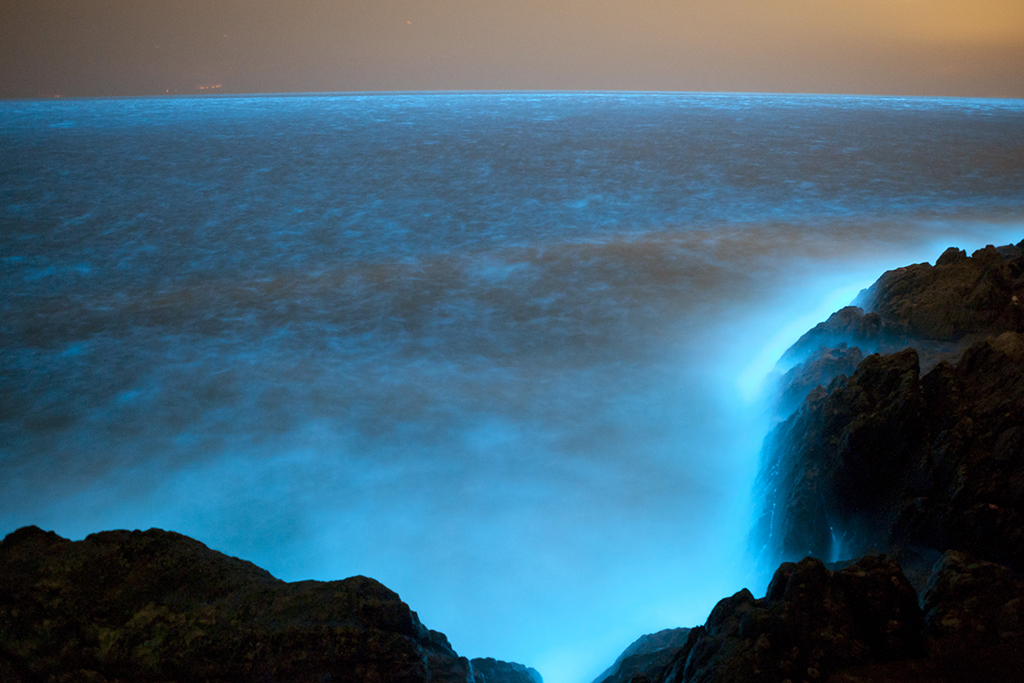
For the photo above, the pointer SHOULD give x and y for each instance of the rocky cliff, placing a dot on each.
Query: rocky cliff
(647, 653)
(857, 623)
(489, 670)
(878, 454)
(900, 441)
(138, 606)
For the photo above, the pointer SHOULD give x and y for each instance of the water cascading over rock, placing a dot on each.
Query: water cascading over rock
(918, 444)
(901, 442)
(138, 606)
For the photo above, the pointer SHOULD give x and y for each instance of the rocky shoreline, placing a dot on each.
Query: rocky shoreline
(919, 444)
(900, 442)
(862, 622)
(134, 606)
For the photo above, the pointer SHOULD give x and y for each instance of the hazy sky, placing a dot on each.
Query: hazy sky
(141, 47)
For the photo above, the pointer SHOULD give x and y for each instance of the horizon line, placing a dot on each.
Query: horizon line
(494, 91)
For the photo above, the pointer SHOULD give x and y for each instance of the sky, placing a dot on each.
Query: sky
(961, 48)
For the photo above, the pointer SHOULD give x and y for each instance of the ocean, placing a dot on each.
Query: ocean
(503, 352)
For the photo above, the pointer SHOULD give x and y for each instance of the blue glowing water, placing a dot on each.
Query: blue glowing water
(495, 350)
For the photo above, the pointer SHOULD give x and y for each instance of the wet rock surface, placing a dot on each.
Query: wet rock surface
(813, 624)
(969, 603)
(939, 310)
(648, 653)
(862, 621)
(489, 670)
(884, 457)
(159, 606)
(956, 298)
(901, 432)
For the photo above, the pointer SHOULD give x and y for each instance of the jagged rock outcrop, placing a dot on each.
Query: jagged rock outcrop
(939, 310)
(849, 326)
(132, 606)
(648, 653)
(958, 297)
(927, 466)
(858, 622)
(835, 461)
(884, 458)
(812, 623)
(489, 670)
(819, 369)
(970, 604)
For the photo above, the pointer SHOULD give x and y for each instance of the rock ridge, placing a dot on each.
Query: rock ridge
(879, 454)
(155, 605)
(859, 622)
(900, 441)
(648, 652)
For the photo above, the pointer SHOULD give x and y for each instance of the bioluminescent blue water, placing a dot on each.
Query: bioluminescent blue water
(499, 351)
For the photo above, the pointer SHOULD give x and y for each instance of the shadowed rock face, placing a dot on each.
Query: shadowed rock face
(886, 458)
(839, 460)
(820, 368)
(971, 603)
(955, 298)
(867, 440)
(812, 623)
(882, 457)
(158, 606)
(939, 310)
(877, 455)
(858, 622)
(489, 670)
(651, 652)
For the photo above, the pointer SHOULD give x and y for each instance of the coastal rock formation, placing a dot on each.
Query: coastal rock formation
(648, 653)
(837, 461)
(901, 432)
(819, 369)
(939, 310)
(812, 623)
(489, 670)
(957, 298)
(158, 606)
(856, 623)
(884, 458)
(971, 604)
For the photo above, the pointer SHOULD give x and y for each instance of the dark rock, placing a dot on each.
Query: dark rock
(812, 623)
(883, 458)
(819, 369)
(970, 603)
(849, 326)
(928, 469)
(158, 606)
(973, 628)
(940, 310)
(859, 623)
(956, 297)
(951, 256)
(489, 670)
(646, 657)
(886, 459)
(846, 451)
